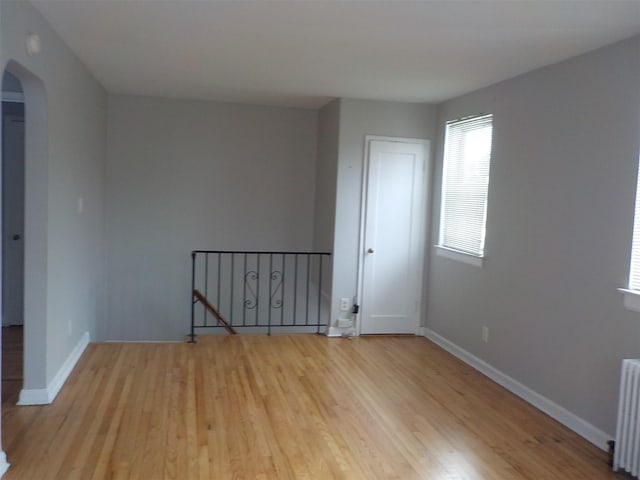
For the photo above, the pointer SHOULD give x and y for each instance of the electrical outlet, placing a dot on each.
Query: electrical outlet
(345, 304)
(485, 334)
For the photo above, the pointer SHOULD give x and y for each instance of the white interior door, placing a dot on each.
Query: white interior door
(12, 220)
(394, 230)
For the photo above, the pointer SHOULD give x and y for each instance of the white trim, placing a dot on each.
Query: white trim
(580, 426)
(340, 332)
(44, 396)
(382, 138)
(34, 396)
(459, 256)
(4, 465)
(631, 299)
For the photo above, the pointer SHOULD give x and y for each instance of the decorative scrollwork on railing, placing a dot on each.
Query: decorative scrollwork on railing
(276, 285)
(251, 281)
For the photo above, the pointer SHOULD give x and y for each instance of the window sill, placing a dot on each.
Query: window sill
(459, 256)
(631, 299)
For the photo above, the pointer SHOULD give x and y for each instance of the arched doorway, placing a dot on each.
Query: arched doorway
(13, 148)
(33, 238)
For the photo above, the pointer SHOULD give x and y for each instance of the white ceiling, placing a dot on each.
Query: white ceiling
(302, 53)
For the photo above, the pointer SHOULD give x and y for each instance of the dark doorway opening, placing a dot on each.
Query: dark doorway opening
(13, 194)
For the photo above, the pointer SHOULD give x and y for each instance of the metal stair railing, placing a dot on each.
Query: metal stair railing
(258, 291)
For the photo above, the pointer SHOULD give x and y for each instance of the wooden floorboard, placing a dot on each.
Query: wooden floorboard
(12, 352)
(285, 407)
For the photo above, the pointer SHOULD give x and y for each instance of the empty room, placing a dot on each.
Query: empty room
(320, 239)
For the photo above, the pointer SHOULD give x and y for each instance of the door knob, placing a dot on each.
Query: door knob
(370, 250)
(16, 236)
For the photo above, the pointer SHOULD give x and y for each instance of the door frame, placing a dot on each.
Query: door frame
(36, 220)
(424, 227)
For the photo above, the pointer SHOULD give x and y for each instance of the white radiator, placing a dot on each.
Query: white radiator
(627, 447)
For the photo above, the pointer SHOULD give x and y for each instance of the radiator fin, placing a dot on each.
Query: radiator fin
(627, 447)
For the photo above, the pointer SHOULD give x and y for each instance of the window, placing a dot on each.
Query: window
(465, 183)
(634, 274)
(632, 294)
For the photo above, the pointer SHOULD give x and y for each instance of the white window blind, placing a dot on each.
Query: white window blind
(465, 183)
(634, 274)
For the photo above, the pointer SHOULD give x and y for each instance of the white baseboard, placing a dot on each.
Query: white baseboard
(580, 426)
(34, 396)
(340, 332)
(4, 465)
(334, 332)
(44, 396)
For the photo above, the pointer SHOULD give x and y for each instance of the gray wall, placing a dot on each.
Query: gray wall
(71, 110)
(326, 176)
(560, 212)
(195, 175)
(357, 119)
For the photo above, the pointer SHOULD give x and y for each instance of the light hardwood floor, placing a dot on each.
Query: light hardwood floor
(12, 352)
(288, 406)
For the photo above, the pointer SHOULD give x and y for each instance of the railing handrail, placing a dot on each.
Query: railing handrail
(266, 252)
(202, 299)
